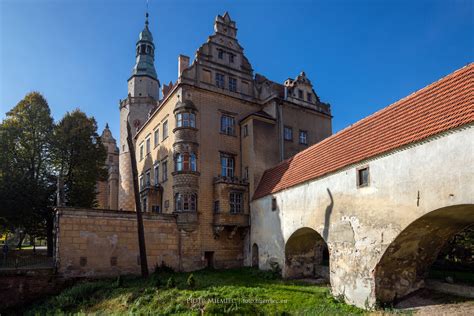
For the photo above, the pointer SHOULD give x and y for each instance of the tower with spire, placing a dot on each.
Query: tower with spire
(143, 97)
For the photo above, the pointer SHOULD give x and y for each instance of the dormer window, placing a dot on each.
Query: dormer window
(231, 58)
(300, 93)
(309, 97)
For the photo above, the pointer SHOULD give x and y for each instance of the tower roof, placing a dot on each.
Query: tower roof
(145, 52)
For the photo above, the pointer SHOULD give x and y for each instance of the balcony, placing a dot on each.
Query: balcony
(231, 219)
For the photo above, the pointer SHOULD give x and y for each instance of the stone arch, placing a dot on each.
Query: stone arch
(306, 255)
(255, 256)
(406, 262)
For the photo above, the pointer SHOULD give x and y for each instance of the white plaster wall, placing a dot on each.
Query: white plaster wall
(360, 223)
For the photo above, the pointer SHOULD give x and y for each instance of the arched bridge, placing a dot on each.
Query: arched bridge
(382, 196)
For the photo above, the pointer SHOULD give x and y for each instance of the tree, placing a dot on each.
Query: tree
(26, 183)
(79, 158)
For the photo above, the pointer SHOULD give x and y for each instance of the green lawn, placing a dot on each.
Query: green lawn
(238, 291)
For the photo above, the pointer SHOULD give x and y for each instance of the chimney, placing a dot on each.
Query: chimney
(183, 63)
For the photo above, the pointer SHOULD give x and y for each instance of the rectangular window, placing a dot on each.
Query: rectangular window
(246, 173)
(220, 80)
(300, 93)
(303, 137)
(236, 202)
(141, 151)
(165, 129)
(164, 170)
(231, 57)
(148, 178)
(288, 133)
(227, 124)
(220, 54)
(142, 182)
(309, 97)
(363, 177)
(246, 130)
(145, 204)
(227, 165)
(156, 136)
(232, 84)
(274, 204)
(216, 207)
(156, 173)
(148, 145)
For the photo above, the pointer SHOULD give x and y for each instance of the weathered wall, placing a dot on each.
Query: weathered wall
(103, 243)
(359, 224)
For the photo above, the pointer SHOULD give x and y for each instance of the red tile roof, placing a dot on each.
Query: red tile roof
(441, 106)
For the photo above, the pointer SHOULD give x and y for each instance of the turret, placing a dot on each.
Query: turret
(143, 97)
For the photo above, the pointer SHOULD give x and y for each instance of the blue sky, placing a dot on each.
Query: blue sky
(360, 55)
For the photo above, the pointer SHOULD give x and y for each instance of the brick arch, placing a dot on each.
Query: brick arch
(406, 262)
(305, 250)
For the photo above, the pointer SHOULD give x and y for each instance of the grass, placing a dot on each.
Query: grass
(239, 291)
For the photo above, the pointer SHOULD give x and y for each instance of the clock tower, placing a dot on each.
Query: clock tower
(143, 97)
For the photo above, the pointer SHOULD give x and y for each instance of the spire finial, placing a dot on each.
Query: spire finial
(146, 15)
(107, 125)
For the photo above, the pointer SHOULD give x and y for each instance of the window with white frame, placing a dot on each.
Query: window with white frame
(185, 202)
(186, 119)
(142, 182)
(185, 162)
(164, 170)
(148, 144)
(156, 136)
(288, 133)
(220, 80)
(232, 84)
(227, 165)
(148, 178)
(165, 130)
(236, 202)
(227, 125)
(156, 172)
(141, 151)
(303, 137)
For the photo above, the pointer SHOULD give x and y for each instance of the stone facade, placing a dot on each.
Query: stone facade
(107, 196)
(201, 149)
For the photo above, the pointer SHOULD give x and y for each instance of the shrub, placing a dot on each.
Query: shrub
(171, 283)
(191, 281)
(276, 270)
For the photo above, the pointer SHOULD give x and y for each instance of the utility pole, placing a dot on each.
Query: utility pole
(140, 229)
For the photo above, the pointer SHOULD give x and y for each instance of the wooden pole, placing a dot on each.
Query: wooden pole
(140, 229)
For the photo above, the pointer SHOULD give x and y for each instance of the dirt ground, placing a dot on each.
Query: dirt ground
(430, 303)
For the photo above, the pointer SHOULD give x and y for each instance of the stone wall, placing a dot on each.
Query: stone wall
(95, 243)
(18, 287)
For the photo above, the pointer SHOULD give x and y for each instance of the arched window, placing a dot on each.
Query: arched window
(185, 162)
(186, 119)
(185, 202)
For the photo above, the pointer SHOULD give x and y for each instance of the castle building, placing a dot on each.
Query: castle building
(107, 197)
(202, 147)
